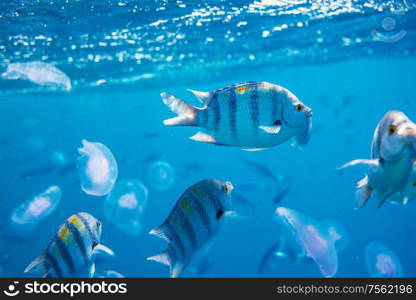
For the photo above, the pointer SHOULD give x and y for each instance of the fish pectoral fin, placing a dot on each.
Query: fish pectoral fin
(369, 162)
(205, 138)
(273, 129)
(363, 192)
(254, 149)
(202, 97)
(36, 266)
(101, 249)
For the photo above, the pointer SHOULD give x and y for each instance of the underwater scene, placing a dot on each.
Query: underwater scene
(261, 138)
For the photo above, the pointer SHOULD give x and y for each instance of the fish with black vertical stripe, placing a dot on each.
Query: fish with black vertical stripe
(193, 222)
(253, 115)
(72, 250)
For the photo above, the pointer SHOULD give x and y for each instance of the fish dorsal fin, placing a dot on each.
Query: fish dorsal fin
(162, 258)
(161, 233)
(37, 265)
(202, 97)
(274, 129)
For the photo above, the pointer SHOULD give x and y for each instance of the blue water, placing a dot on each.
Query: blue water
(121, 54)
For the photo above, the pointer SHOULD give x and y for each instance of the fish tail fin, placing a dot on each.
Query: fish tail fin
(202, 97)
(187, 114)
(363, 192)
(162, 258)
(37, 265)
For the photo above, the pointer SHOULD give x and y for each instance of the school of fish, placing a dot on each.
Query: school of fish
(252, 116)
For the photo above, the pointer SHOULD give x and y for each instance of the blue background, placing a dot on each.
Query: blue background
(349, 89)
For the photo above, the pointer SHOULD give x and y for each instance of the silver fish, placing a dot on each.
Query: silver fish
(280, 184)
(268, 256)
(392, 154)
(409, 192)
(392, 136)
(283, 248)
(242, 201)
(256, 115)
(193, 222)
(72, 250)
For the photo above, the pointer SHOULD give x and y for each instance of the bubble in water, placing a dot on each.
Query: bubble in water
(29, 213)
(97, 168)
(311, 237)
(382, 262)
(338, 234)
(161, 175)
(125, 205)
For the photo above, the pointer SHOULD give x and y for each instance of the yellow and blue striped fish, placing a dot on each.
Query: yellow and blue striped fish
(72, 250)
(255, 115)
(192, 223)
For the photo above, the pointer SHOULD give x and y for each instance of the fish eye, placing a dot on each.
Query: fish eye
(392, 129)
(414, 184)
(225, 189)
(299, 107)
(98, 224)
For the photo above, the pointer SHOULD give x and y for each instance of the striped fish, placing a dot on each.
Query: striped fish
(394, 132)
(392, 156)
(72, 250)
(255, 115)
(192, 223)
